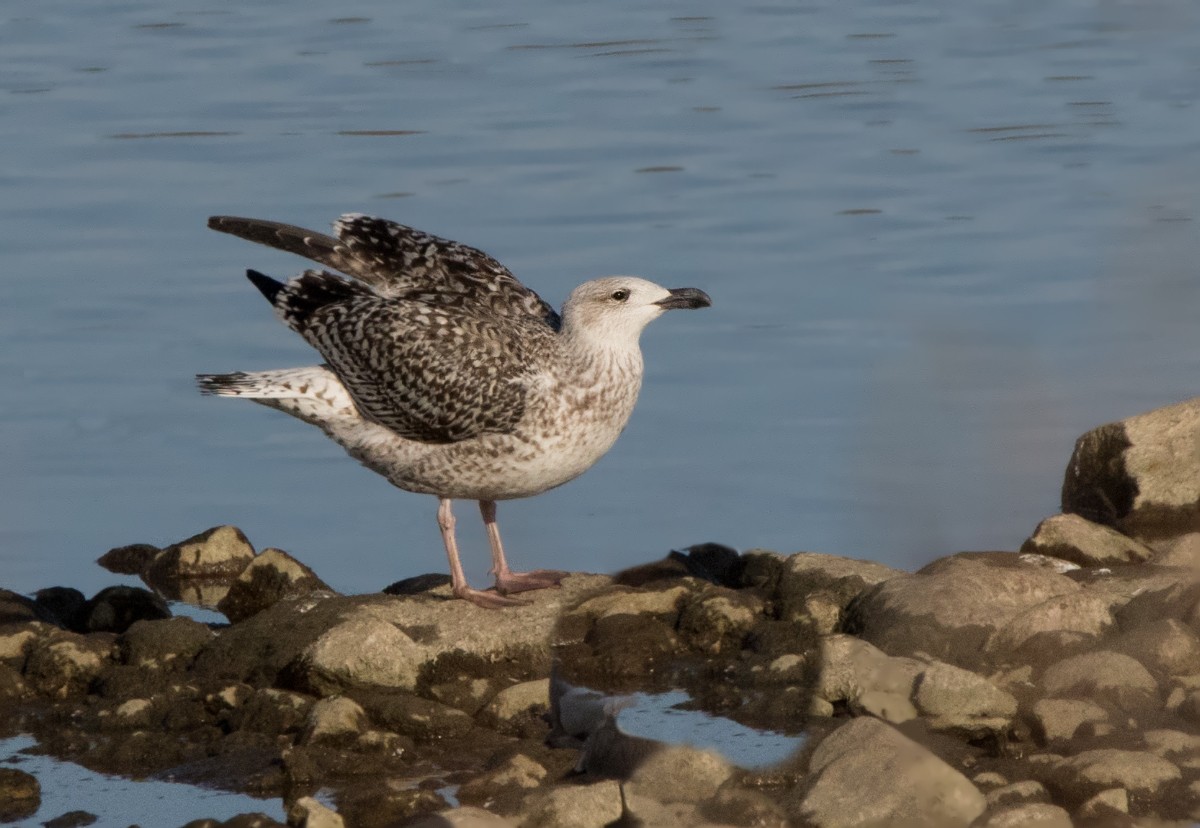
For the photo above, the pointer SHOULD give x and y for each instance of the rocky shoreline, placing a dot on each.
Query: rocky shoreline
(1057, 685)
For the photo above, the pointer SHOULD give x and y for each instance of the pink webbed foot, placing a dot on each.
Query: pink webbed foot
(487, 598)
(508, 582)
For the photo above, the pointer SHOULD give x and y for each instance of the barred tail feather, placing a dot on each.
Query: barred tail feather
(313, 394)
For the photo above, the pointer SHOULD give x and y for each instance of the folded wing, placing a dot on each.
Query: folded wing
(427, 371)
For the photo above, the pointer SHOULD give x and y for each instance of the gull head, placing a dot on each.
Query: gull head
(617, 308)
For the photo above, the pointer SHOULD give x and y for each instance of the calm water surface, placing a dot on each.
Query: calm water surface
(942, 241)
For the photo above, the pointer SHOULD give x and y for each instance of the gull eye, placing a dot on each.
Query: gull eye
(620, 295)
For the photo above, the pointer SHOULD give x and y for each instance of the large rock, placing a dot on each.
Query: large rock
(1036, 635)
(1102, 674)
(958, 701)
(867, 679)
(1140, 475)
(270, 577)
(438, 638)
(813, 585)
(1079, 540)
(866, 773)
(222, 551)
(1164, 645)
(951, 608)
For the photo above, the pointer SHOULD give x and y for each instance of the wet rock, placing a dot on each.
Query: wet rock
(63, 606)
(1077, 539)
(307, 812)
(117, 608)
(254, 820)
(1034, 815)
(1164, 645)
(803, 582)
(1084, 775)
(71, 819)
(413, 716)
(919, 788)
(951, 608)
(1102, 673)
(272, 711)
(65, 664)
(20, 795)
(12, 686)
(334, 721)
(218, 553)
(1058, 720)
(955, 700)
(719, 621)
(680, 774)
(128, 560)
(452, 638)
(16, 640)
(629, 645)
(741, 807)
(580, 806)
(270, 577)
(515, 709)
(170, 644)
(1140, 475)
(514, 776)
(361, 652)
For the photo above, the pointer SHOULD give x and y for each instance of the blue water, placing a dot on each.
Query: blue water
(942, 241)
(117, 802)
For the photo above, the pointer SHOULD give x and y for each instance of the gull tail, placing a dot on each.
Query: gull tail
(313, 394)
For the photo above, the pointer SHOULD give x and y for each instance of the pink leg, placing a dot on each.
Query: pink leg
(508, 581)
(458, 579)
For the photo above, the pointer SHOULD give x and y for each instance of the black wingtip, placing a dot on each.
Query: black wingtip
(220, 384)
(266, 285)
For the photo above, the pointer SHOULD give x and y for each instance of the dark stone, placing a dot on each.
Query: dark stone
(128, 560)
(713, 562)
(171, 643)
(20, 795)
(1097, 485)
(64, 605)
(17, 609)
(632, 645)
(116, 608)
(71, 819)
(272, 576)
(417, 584)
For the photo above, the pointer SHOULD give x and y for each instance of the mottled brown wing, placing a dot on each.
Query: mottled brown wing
(427, 372)
(397, 261)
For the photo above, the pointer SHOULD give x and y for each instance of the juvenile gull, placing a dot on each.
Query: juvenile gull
(445, 374)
